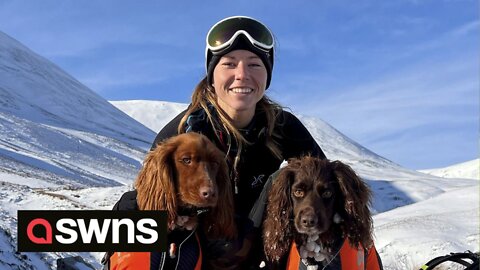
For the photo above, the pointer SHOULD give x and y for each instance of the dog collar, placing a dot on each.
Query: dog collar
(192, 211)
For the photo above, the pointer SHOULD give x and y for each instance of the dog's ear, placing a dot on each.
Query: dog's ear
(278, 227)
(224, 223)
(357, 217)
(155, 182)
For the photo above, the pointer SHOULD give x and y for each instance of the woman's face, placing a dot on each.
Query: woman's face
(239, 79)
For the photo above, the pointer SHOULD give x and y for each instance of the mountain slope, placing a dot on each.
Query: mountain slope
(35, 89)
(55, 128)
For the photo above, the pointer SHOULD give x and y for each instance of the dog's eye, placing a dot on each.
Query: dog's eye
(187, 160)
(298, 193)
(327, 194)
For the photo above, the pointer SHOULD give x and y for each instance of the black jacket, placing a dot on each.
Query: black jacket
(257, 163)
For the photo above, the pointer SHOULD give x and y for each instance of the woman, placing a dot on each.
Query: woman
(230, 107)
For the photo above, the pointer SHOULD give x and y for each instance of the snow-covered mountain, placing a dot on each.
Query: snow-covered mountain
(56, 134)
(56, 129)
(469, 170)
(152, 114)
(64, 147)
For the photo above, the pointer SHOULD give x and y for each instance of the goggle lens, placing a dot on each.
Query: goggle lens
(222, 34)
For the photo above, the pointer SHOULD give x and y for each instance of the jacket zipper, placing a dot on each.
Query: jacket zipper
(180, 247)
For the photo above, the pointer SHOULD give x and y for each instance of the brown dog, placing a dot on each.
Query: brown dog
(185, 173)
(316, 205)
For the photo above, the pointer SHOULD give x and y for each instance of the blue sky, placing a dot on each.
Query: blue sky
(400, 77)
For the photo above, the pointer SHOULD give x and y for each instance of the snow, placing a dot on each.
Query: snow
(63, 147)
(445, 223)
(152, 114)
(469, 169)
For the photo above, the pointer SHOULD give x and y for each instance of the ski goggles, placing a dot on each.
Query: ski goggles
(224, 33)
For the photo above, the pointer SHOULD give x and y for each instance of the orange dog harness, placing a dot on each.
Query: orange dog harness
(347, 258)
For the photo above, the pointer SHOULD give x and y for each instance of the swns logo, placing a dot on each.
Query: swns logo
(95, 231)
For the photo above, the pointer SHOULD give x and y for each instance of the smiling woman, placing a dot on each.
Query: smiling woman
(229, 106)
(239, 80)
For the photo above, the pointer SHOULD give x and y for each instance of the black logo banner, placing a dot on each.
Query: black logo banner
(91, 231)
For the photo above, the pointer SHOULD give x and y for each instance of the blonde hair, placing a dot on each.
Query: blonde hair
(204, 94)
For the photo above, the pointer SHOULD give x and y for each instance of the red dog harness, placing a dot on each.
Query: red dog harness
(347, 258)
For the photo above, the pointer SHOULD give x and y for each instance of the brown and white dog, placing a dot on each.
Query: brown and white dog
(313, 205)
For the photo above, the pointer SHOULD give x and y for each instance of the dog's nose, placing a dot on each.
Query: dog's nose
(207, 192)
(308, 220)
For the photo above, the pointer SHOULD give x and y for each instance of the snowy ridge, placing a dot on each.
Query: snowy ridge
(63, 147)
(469, 169)
(152, 114)
(35, 89)
(56, 129)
